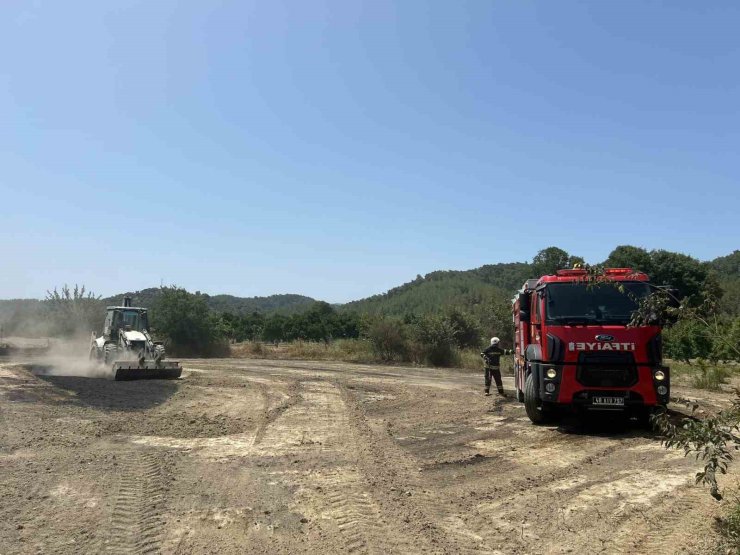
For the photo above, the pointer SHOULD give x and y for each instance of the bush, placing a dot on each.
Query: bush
(710, 377)
(729, 527)
(725, 347)
(470, 359)
(687, 339)
(434, 339)
(387, 338)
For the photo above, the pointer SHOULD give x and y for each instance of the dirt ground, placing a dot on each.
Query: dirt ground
(250, 456)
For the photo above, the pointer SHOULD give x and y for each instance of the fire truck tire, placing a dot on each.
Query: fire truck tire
(518, 386)
(532, 405)
(644, 419)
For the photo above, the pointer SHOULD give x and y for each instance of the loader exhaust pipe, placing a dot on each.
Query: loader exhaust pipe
(127, 301)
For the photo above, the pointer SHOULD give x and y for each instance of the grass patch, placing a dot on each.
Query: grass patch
(710, 377)
(702, 374)
(729, 527)
(346, 350)
(358, 351)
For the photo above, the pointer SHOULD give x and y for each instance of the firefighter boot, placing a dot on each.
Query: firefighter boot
(488, 392)
(501, 391)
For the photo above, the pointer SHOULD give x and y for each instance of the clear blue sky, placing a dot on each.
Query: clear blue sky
(336, 149)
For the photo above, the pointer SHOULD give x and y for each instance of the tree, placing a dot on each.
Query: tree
(274, 328)
(73, 312)
(466, 331)
(692, 278)
(250, 326)
(550, 260)
(626, 256)
(574, 261)
(185, 322)
(729, 304)
(715, 439)
(496, 320)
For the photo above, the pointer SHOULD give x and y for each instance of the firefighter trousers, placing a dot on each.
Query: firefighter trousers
(495, 372)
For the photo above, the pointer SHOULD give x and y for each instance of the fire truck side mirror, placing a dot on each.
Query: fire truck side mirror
(524, 316)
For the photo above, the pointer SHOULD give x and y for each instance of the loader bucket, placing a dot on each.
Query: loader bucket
(133, 370)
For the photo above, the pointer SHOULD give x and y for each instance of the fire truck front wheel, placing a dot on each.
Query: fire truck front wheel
(532, 405)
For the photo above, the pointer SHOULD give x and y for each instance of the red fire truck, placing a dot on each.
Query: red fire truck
(574, 349)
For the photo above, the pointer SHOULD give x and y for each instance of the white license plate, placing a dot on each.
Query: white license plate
(608, 401)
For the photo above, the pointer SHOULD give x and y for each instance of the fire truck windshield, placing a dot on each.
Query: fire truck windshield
(580, 303)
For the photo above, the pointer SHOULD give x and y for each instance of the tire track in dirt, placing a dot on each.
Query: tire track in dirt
(383, 463)
(137, 522)
(271, 414)
(476, 526)
(238, 444)
(578, 507)
(677, 525)
(356, 514)
(318, 427)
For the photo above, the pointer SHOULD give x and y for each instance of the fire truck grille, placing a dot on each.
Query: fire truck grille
(606, 370)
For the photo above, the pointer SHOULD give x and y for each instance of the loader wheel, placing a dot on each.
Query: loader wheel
(109, 353)
(532, 405)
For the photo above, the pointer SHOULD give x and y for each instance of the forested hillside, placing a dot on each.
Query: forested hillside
(280, 304)
(460, 307)
(444, 289)
(728, 271)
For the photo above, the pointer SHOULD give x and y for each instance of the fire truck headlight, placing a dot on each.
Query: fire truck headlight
(662, 390)
(659, 375)
(550, 387)
(551, 373)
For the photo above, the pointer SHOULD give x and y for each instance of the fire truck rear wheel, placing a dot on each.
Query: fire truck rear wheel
(532, 405)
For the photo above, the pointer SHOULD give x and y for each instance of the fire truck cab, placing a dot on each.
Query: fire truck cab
(574, 349)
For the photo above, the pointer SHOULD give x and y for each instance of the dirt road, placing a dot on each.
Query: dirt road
(284, 457)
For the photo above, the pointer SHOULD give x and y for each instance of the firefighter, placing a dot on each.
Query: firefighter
(492, 356)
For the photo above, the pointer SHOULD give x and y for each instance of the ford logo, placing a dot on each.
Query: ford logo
(604, 337)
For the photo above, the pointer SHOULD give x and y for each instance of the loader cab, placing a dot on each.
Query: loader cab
(117, 317)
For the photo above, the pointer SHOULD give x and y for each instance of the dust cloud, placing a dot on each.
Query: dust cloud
(60, 357)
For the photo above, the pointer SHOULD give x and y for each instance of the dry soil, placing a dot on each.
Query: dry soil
(247, 456)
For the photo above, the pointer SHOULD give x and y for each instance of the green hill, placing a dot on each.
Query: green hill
(280, 304)
(728, 271)
(438, 290)
(480, 291)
